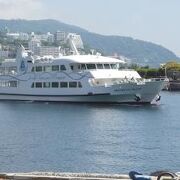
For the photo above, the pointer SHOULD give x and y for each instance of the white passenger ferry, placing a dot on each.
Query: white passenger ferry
(76, 78)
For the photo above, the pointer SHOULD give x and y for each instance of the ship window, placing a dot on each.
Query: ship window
(106, 66)
(6, 84)
(12, 83)
(55, 68)
(47, 68)
(62, 68)
(3, 84)
(72, 67)
(6, 70)
(38, 68)
(46, 84)
(32, 86)
(113, 66)
(99, 66)
(38, 84)
(2, 69)
(73, 84)
(91, 66)
(55, 84)
(83, 66)
(79, 85)
(121, 66)
(63, 84)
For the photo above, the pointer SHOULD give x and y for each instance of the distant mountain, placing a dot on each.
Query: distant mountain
(142, 52)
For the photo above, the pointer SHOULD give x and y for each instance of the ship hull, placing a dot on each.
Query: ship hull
(138, 94)
(99, 98)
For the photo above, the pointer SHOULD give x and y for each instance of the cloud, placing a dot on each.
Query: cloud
(23, 9)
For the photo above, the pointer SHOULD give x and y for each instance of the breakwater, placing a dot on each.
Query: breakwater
(63, 176)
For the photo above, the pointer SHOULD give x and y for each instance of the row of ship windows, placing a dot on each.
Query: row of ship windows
(71, 84)
(48, 68)
(73, 67)
(61, 68)
(8, 83)
(97, 66)
(8, 70)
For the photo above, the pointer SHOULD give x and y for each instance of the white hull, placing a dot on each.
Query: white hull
(89, 99)
(113, 94)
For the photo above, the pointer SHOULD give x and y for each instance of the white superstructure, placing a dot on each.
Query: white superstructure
(76, 78)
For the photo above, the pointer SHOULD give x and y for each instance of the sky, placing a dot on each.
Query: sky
(156, 21)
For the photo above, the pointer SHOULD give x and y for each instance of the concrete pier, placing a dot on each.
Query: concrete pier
(61, 176)
(74, 176)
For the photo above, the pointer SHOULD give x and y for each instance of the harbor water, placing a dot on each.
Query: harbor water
(69, 137)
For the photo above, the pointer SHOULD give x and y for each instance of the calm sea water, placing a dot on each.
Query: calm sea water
(90, 138)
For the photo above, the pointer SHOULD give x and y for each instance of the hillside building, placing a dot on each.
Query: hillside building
(77, 40)
(60, 37)
(23, 36)
(33, 45)
(48, 51)
(50, 37)
(12, 36)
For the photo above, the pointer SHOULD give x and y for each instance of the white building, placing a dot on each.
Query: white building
(12, 36)
(48, 51)
(15, 36)
(23, 36)
(36, 37)
(76, 40)
(32, 35)
(33, 45)
(50, 38)
(43, 37)
(60, 37)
